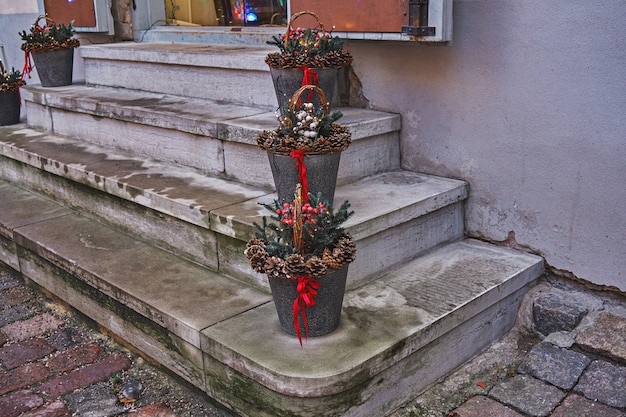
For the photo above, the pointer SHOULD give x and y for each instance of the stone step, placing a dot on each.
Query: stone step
(217, 35)
(398, 334)
(216, 137)
(232, 73)
(208, 219)
(151, 298)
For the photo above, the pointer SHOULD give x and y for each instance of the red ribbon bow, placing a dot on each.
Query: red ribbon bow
(310, 78)
(28, 68)
(298, 155)
(307, 290)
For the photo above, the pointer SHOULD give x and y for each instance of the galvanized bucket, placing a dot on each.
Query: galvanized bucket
(324, 316)
(54, 67)
(9, 108)
(288, 80)
(321, 174)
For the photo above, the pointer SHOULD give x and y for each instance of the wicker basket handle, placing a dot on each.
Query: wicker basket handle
(47, 19)
(297, 15)
(293, 101)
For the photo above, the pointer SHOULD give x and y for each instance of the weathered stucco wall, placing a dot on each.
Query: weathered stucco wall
(529, 106)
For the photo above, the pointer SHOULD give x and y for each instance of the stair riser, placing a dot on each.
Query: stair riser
(247, 87)
(220, 252)
(243, 162)
(195, 243)
(375, 254)
(202, 152)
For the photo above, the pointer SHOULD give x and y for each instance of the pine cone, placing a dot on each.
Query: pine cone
(331, 260)
(255, 241)
(274, 266)
(295, 266)
(252, 250)
(258, 261)
(315, 267)
(347, 248)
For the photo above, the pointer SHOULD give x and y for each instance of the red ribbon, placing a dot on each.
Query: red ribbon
(28, 68)
(310, 78)
(298, 155)
(307, 290)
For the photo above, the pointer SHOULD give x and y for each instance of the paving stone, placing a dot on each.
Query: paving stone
(90, 374)
(604, 382)
(7, 281)
(554, 312)
(481, 406)
(65, 338)
(19, 353)
(575, 405)
(594, 339)
(35, 326)
(19, 402)
(94, 401)
(53, 409)
(527, 394)
(75, 357)
(22, 377)
(558, 366)
(156, 410)
(14, 296)
(19, 312)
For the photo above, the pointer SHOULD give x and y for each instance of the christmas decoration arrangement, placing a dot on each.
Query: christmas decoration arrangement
(305, 127)
(49, 36)
(52, 47)
(10, 83)
(304, 243)
(307, 47)
(10, 80)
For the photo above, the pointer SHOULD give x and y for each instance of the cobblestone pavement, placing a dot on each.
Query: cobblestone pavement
(565, 357)
(54, 364)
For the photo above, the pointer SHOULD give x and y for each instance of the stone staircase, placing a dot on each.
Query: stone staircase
(132, 198)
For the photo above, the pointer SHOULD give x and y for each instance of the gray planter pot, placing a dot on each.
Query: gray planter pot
(288, 80)
(321, 174)
(324, 316)
(9, 108)
(54, 67)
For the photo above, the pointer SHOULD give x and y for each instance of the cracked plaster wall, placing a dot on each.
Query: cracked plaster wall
(527, 105)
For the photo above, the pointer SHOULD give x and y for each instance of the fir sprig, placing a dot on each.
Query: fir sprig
(10, 80)
(48, 36)
(322, 226)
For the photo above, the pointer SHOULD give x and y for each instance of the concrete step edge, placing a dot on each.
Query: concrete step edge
(217, 119)
(244, 57)
(383, 322)
(145, 278)
(221, 205)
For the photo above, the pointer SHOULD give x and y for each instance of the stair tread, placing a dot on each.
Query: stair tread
(382, 322)
(176, 294)
(247, 57)
(218, 119)
(225, 206)
(379, 202)
(179, 191)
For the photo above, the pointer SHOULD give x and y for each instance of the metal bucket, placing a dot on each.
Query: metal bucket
(324, 316)
(54, 67)
(321, 174)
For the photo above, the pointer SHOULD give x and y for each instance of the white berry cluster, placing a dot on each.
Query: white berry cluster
(306, 122)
